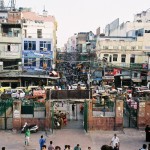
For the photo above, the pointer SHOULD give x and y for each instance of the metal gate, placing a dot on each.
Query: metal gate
(85, 115)
(130, 114)
(6, 114)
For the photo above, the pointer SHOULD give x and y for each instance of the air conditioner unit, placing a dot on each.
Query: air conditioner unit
(44, 49)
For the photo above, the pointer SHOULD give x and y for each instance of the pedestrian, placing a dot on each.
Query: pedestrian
(27, 137)
(3, 148)
(51, 147)
(66, 147)
(144, 147)
(89, 148)
(77, 147)
(147, 131)
(57, 148)
(69, 147)
(44, 147)
(42, 141)
(148, 146)
(106, 147)
(115, 140)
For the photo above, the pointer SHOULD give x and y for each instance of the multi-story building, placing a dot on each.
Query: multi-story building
(124, 52)
(128, 54)
(38, 37)
(71, 44)
(28, 42)
(10, 48)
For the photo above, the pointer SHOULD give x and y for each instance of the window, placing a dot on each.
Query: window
(45, 46)
(115, 47)
(25, 33)
(115, 56)
(29, 45)
(8, 47)
(39, 33)
(47, 61)
(105, 47)
(110, 58)
(123, 47)
(123, 58)
(135, 74)
(140, 47)
(105, 57)
(30, 62)
(132, 58)
(133, 47)
(147, 31)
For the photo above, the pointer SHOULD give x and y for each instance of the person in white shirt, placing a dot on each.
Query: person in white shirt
(115, 140)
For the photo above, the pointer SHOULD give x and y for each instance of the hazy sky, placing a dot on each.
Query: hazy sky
(75, 16)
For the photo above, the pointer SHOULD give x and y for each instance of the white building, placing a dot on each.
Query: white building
(71, 44)
(39, 36)
(126, 53)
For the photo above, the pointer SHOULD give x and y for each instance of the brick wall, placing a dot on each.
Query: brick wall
(101, 123)
(106, 123)
(143, 118)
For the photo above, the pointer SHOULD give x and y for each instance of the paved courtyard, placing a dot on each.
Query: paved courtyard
(131, 139)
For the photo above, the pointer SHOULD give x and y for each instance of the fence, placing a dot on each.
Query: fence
(30, 108)
(69, 94)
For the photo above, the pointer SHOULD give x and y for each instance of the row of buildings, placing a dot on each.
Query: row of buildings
(27, 46)
(121, 53)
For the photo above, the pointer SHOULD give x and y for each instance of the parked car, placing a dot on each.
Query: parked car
(83, 86)
(17, 93)
(74, 86)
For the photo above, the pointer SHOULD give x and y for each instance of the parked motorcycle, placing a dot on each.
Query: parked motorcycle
(33, 128)
(57, 124)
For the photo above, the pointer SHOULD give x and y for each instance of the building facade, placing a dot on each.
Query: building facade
(127, 54)
(28, 46)
(10, 47)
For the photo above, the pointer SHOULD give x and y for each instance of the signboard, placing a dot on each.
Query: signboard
(117, 72)
(38, 55)
(139, 66)
(16, 114)
(142, 104)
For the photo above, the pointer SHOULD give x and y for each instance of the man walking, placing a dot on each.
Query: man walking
(114, 141)
(77, 147)
(144, 147)
(51, 147)
(27, 137)
(42, 141)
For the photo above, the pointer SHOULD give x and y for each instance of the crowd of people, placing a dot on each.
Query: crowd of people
(43, 146)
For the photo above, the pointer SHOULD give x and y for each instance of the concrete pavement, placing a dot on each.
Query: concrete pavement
(131, 139)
